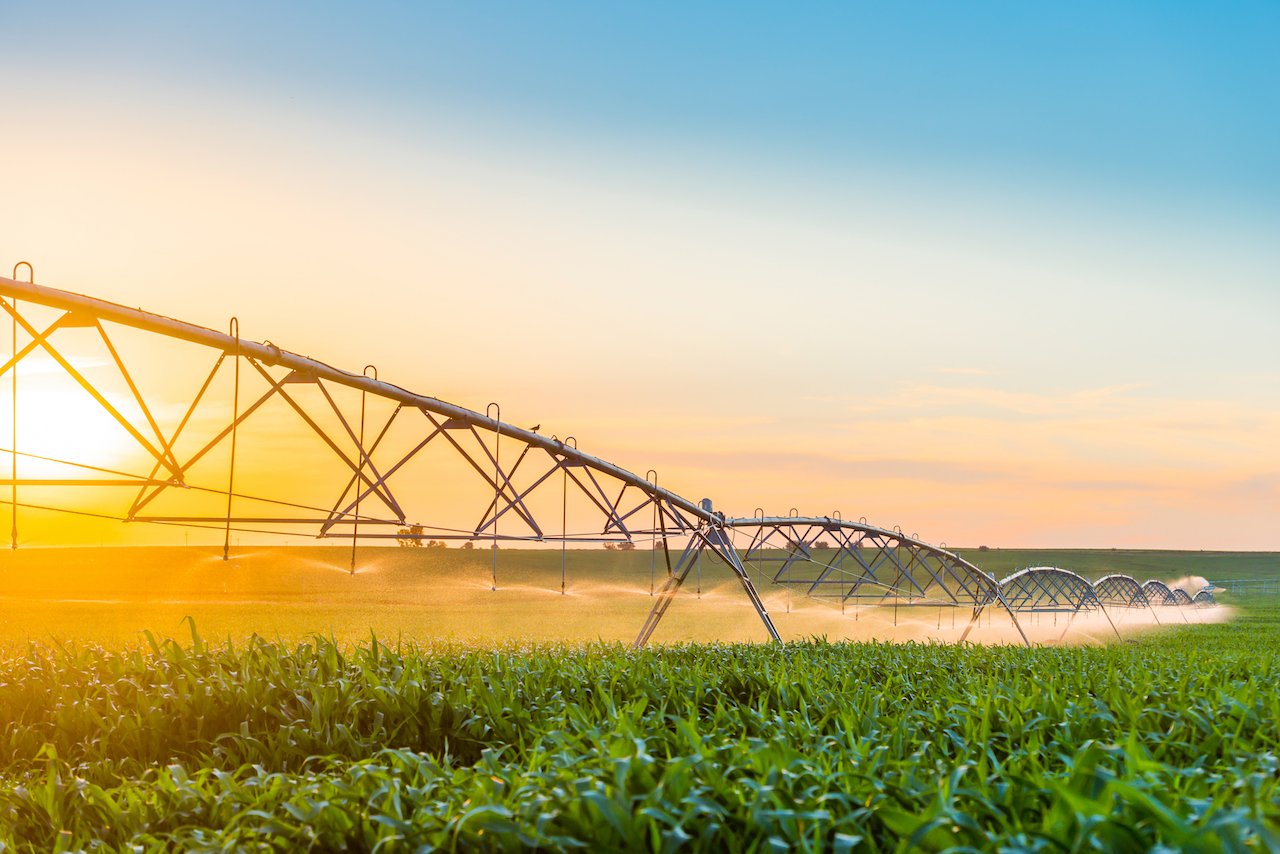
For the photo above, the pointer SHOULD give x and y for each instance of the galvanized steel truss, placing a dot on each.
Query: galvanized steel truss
(1119, 591)
(867, 566)
(1049, 589)
(861, 565)
(852, 562)
(1203, 599)
(1158, 593)
(628, 507)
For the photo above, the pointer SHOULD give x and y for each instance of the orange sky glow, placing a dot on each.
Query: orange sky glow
(979, 354)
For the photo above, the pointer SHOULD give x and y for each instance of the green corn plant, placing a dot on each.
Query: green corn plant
(808, 746)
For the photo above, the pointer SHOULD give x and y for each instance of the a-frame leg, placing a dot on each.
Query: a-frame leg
(668, 592)
(715, 540)
(977, 613)
(719, 544)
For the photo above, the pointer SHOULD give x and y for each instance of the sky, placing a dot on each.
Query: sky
(999, 273)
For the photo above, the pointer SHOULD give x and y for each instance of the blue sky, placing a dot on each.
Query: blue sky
(1034, 245)
(1176, 99)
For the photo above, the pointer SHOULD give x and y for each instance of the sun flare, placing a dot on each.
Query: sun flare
(59, 421)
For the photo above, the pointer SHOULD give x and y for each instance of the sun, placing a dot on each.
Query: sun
(57, 420)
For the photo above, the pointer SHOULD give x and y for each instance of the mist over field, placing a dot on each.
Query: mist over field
(112, 594)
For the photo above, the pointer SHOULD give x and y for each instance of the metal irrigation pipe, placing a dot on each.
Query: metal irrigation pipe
(271, 355)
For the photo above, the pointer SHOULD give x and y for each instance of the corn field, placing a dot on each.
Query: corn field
(1169, 743)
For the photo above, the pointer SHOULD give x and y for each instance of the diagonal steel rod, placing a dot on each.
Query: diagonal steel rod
(334, 514)
(137, 395)
(19, 355)
(364, 455)
(670, 588)
(209, 446)
(86, 385)
(173, 441)
(493, 505)
(520, 510)
(324, 437)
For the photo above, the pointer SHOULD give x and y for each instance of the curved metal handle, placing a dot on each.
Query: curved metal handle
(31, 272)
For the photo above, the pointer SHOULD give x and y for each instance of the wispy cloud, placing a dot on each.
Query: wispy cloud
(943, 398)
(819, 466)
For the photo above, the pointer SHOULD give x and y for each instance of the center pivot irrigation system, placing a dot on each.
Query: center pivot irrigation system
(386, 443)
(1052, 590)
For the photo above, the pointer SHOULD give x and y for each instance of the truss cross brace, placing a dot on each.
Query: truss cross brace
(714, 539)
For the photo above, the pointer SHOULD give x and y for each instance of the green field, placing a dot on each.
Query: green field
(1140, 563)
(112, 594)
(464, 728)
(1168, 743)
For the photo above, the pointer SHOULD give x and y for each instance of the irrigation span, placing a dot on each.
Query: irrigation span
(384, 442)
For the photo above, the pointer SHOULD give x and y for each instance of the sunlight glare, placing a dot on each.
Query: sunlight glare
(59, 420)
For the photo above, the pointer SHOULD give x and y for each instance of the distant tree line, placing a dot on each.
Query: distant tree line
(797, 545)
(411, 537)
